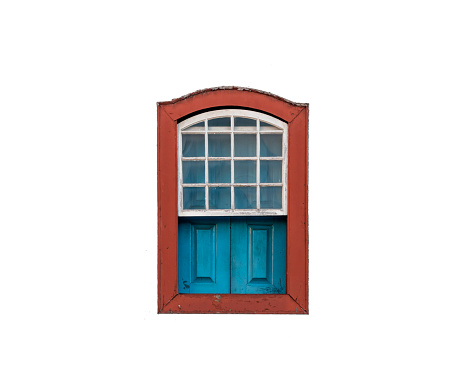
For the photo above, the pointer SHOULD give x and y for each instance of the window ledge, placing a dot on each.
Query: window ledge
(234, 303)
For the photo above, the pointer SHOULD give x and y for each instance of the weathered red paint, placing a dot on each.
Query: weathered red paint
(296, 115)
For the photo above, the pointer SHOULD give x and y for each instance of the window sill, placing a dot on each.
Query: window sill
(233, 303)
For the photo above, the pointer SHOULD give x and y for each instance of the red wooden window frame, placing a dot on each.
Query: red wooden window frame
(296, 115)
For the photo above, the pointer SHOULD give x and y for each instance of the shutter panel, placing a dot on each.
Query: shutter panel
(204, 255)
(258, 255)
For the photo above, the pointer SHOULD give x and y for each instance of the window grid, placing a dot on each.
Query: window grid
(207, 185)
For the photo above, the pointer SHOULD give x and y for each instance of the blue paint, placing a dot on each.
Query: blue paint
(258, 255)
(238, 255)
(204, 255)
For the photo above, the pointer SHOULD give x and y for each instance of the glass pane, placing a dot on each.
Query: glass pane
(193, 172)
(219, 124)
(194, 198)
(196, 127)
(271, 197)
(245, 171)
(271, 145)
(219, 171)
(244, 123)
(271, 171)
(245, 197)
(268, 127)
(219, 145)
(193, 145)
(245, 145)
(220, 198)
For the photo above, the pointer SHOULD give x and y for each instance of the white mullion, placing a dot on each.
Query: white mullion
(219, 158)
(258, 153)
(246, 158)
(207, 192)
(193, 158)
(284, 168)
(220, 131)
(179, 172)
(232, 163)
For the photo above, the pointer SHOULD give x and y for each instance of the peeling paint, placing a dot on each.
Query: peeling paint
(237, 88)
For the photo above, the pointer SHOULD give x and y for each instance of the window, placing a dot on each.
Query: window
(232, 203)
(232, 162)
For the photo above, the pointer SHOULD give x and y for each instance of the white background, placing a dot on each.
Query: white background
(390, 87)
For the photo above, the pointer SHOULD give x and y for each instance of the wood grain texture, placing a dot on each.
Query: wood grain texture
(167, 208)
(234, 303)
(297, 214)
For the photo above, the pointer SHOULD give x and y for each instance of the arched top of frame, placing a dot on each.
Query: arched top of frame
(226, 97)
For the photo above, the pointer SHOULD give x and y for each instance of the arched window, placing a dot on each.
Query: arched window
(232, 162)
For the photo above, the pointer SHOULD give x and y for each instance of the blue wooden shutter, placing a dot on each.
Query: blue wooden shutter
(204, 255)
(258, 255)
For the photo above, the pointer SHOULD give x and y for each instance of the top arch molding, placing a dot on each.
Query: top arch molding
(232, 96)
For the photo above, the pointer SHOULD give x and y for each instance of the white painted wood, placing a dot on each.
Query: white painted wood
(232, 163)
(278, 126)
(207, 192)
(258, 165)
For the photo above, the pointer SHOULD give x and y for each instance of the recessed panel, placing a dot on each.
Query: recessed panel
(203, 253)
(259, 254)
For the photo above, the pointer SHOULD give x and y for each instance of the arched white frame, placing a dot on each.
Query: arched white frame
(265, 124)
